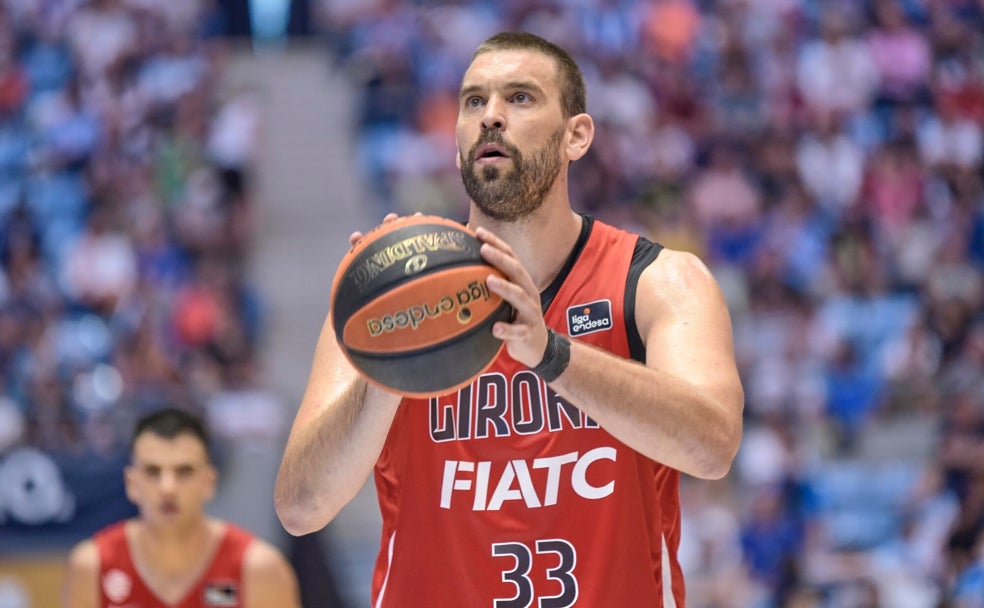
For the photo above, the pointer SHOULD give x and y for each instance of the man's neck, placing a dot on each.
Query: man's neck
(542, 241)
(170, 561)
(166, 546)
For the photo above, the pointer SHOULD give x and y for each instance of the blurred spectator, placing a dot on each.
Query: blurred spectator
(100, 268)
(836, 73)
(853, 392)
(102, 33)
(711, 552)
(771, 538)
(830, 164)
(949, 140)
(965, 545)
(670, 28)
(233, 142)
(968, 589)
(893, 185)
(901, 54)
(722, 192)
(13, 80)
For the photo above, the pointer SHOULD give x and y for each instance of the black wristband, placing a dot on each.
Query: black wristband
(555, 358)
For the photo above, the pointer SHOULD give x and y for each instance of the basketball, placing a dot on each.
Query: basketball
(410, 307)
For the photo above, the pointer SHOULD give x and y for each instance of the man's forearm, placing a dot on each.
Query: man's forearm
(653, 412)
(328, 459)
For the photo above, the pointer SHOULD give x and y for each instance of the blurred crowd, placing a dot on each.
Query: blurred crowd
(125, 226)
(825, 159)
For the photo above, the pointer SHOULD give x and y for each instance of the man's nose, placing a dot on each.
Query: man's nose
(494, 116)
(168, 482)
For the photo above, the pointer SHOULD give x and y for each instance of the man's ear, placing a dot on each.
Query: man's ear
(457, 157)
(212, 481)
(580, 134)
(128, 483)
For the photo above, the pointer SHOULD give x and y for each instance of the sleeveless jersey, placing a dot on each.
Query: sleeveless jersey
(504, 495)
(120, 586)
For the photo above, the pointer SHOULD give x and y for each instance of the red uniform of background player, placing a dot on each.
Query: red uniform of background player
(172, 555)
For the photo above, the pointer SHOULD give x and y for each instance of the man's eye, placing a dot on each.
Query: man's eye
(473, 102)
(521, 98)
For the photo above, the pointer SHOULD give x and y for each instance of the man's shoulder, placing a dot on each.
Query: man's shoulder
(267, 574)
(675, 281)
(262, 555)
(84, 556)
(678, 269)
(88, 548)
(80, 584)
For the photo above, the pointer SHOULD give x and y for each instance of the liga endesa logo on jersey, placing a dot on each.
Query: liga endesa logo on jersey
(588, 318)
(221, 594)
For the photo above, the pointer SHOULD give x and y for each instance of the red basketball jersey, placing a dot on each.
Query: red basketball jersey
(504, 495)
(120, 586)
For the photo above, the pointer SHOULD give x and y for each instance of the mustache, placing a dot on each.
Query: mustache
(492, 136)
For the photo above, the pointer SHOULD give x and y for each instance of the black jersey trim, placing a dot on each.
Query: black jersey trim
(547, 295)
(643, 255)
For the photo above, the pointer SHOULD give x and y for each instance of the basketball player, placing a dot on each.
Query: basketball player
(552, 480)
(173, 555)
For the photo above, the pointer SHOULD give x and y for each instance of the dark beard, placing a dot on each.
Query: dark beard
(505, 196)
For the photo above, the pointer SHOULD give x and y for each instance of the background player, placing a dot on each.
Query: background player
(173, 555)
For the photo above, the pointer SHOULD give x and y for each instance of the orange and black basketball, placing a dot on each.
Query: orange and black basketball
(411, 309)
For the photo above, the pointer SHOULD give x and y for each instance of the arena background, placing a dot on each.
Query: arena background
(178, 180)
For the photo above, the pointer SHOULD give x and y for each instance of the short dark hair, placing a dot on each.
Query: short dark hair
(170, 422)
(573, 93)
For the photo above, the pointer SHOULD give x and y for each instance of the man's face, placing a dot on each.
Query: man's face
(509, 132)
(170, 480)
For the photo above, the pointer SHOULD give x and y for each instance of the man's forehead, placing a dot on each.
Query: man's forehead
(512, 65)
(181, 449)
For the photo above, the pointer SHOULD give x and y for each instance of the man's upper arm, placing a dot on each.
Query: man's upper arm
(81, 586)
(268, 580)
(684, 321)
